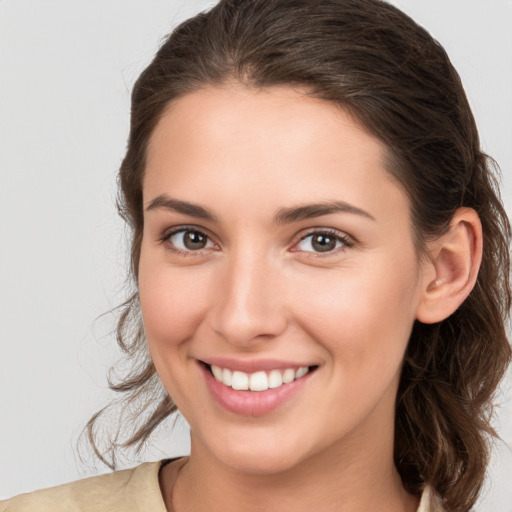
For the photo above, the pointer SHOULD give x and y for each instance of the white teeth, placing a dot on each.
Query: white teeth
(288, 375)
(258, 381)
(217, 372)
(301, 372)
(240, 381)
(275, 379)
(226, 377)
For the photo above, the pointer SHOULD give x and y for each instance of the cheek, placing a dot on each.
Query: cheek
(172, 302)
(363, 319)
(171, 310)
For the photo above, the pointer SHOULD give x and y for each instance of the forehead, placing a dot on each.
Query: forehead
(277, 142)
(217, 110)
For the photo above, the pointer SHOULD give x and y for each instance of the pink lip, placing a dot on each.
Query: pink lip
(254, 365)
(252, 403)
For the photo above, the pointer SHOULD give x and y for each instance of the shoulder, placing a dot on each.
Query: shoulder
(129, 490)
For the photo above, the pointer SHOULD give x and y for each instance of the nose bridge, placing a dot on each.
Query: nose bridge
(248, 306)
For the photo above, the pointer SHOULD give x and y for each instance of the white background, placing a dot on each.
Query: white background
(67, 68)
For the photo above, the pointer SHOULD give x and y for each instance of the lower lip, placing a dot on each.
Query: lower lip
(252, 403)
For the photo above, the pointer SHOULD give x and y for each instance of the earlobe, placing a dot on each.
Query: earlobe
(452, 268)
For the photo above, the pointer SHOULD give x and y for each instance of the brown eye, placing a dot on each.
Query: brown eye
(322, 242)
(190, 240)
(194, 240)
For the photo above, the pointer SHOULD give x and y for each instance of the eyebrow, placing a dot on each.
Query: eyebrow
(165, 202)
(308, 211)
(283, 215)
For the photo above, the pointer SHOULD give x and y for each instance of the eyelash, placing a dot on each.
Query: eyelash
(345, 241)
(166, 240)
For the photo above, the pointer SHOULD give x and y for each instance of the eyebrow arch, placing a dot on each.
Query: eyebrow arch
(294, 214)
(165, 202)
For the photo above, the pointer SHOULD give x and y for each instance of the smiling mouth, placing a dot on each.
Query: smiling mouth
(257, 381)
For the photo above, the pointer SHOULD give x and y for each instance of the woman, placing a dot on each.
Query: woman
(320, 260)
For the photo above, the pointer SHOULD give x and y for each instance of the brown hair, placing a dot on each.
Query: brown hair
(379, 65)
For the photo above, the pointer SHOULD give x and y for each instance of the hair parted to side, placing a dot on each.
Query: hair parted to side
(390, 74)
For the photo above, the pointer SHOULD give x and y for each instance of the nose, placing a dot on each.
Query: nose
(249, 303)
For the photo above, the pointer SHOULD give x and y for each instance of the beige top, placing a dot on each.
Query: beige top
(129, 490)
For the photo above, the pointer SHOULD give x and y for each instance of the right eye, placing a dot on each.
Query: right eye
(188, 240)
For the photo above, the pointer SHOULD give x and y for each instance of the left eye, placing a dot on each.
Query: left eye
(321, 242)
(190, 240)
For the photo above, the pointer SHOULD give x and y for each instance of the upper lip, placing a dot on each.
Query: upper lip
(253, 365)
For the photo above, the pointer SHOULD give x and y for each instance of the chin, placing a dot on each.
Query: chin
(255, 457)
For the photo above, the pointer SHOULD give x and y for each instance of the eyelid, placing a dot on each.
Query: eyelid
(168, 233)
(346, 240)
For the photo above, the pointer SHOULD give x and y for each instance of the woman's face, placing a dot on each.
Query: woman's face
(275, 243)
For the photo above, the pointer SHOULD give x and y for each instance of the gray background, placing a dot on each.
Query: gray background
(67, 68)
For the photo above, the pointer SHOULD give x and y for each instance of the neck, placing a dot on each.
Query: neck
(348, 477)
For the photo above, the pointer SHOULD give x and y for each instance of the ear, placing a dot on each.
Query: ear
(452, 267)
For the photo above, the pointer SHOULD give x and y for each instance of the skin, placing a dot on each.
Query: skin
(259, 289)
